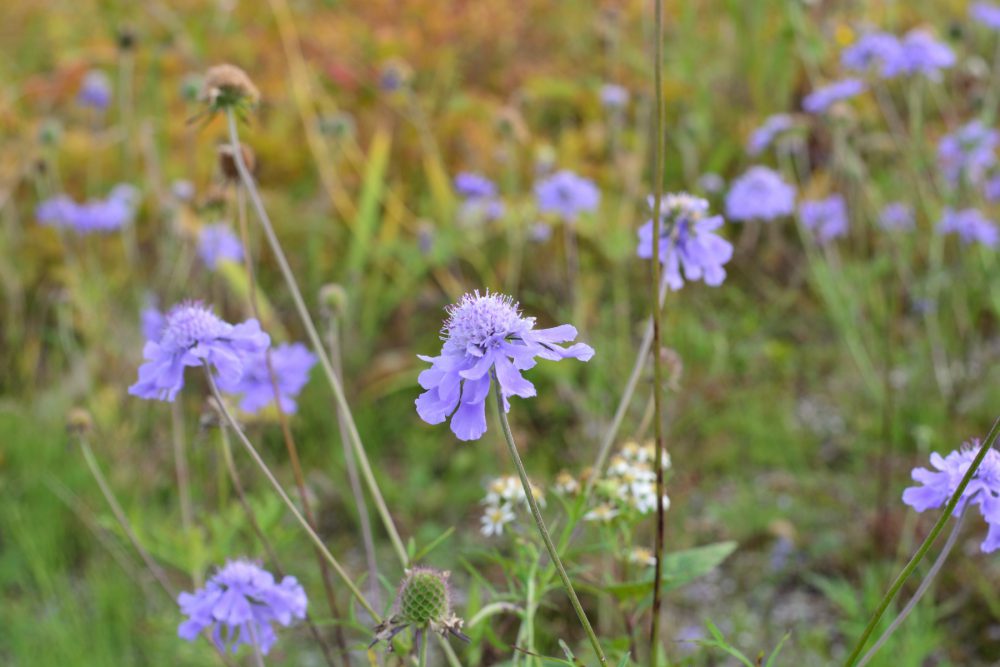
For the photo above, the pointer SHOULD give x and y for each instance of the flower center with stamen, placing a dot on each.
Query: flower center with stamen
(188, 324)
(483, 322)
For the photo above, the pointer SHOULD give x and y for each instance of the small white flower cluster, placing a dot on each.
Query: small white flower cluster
(503, 496)
(630, 483)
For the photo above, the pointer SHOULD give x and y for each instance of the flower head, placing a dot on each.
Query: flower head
(923, 54)
(228, 86)
(480, 201)
(567, 195)
(485, 337)
(424, 602)
(244, 600)
(968, 152)
(216, 243)
(764, 135)
(896, 216)
(987, 14)
(937, 486)
(823, 98)
(760, 193)
(152, 321)
(95, 90)
(970, 225)
(97, 215)
(614, 96)
(688, 240)
(494, 518)
(291, 364)
(878, 51)
(827, 218)
(194, 336)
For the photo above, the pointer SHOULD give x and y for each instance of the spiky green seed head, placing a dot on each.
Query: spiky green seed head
(423, 598)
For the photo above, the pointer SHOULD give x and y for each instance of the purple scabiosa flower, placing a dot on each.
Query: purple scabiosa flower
(922, 54)
(567, 195)
(969, 151)
(194, 336)
(97, 215)
(970, 225)
(486, 338)
(760, 193)
(614, 96)
(55, 211)
(875, 51)
(936, 487)
(688, 241)
(823, 98)
(540, 232)
(826, 218)
(986, 14)
(896, 216)
(762, 137)
(152, 321)
(480, 198)
(216, 243)
(291, 363)
(95, 90)
(244, 600)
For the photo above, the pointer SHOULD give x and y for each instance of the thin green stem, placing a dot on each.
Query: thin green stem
(543, 531)
(654, 633)
(314, 338)
(288, 501)
(949, 509)
(423, 648)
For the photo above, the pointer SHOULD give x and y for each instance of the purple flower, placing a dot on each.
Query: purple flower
(880, 51)
(762, 137)
(688, 241)
(95, 90)
(991, 189)
(896, 216)
(711, 182)
(96, 215)
(194, 336)
(823, 98)
(480, 198)
(614, 96)
(243, 599)
(968, 151)
(485, 337)
(938, 485)
(986, 14)
(182, 190)
(760, 193)
(970, 225)
(567, 195)
(827, 218)
(291, 364)
(922, 54)
(217, 242)
(152, 321)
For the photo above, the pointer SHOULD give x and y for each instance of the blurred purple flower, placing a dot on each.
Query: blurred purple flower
(216, 243)
(922, 54)
(473, 186)
(968, 151)
(486, 337)
(95, 90)
(986, 14)
(878, 51)
(711, 182)
(970, 225)
(896, 216)
(823, 98)
(152, 321)
(182, 190)
(291, 363)
(97, 215)
(938, 485)
(540, 232)
(194, 336)
(567, 195)
(826, 218)
(760, 193)
(614, 96)
(762, 137)
(688, 241)
(480, 198)
(246, 601)
(991, 189)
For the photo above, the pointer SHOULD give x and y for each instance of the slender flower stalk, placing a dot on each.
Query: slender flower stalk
(286, 431)
(908, 570)
(923, 588)
(314, 338)
(359, 596)
(181, 465)
(540, 524)
(654, 634)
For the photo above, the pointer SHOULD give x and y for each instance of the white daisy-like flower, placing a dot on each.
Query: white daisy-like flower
(495, 518)
(602, 513)
(566, 483)
(642, 556)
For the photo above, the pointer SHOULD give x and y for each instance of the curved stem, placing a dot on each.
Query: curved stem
(540, 524)
(924, 586)
(314, 338)
(949, 508)
(288, 501)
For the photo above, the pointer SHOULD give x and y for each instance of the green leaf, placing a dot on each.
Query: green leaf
(679, 568)
(433, 544)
